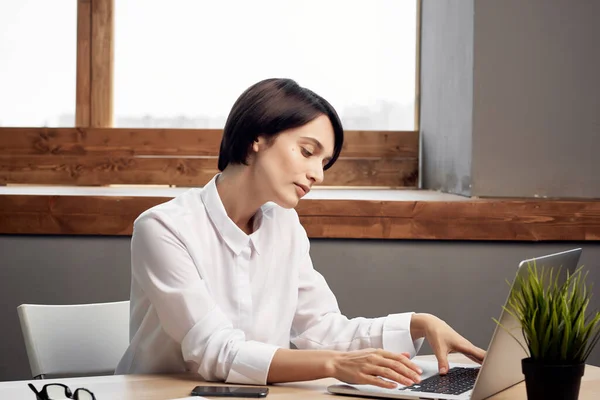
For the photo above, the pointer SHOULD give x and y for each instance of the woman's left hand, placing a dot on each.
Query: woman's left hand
(443, 340)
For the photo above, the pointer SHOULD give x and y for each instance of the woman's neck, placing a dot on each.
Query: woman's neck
(239, 195)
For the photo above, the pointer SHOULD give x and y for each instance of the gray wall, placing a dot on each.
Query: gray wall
(461, 282)
(447, 95)
(533, 75)
(536, 112)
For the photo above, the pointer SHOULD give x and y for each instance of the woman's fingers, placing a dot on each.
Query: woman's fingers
(473, 352)
(443, 340)
(441, 354)
(392, 375)
(401, 369)
(396, 367)
(470, 350)
(401, 358)
(405, 377)
(374, 380)
(376, 367)
(475, 359)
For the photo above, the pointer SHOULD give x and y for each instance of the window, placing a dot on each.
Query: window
(37, 71)
(183, 63)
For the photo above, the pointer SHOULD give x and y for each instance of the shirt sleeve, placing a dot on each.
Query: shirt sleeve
(318, 323)
(187, 312)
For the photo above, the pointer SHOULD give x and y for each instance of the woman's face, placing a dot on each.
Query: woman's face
(293, 162)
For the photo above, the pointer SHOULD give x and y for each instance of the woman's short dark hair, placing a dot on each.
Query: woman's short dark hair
(268, 108)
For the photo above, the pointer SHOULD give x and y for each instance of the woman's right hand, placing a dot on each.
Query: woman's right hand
(368, 366)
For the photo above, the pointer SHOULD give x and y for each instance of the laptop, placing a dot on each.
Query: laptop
(500, 370)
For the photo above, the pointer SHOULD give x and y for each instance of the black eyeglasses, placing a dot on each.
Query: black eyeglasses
(58, 391)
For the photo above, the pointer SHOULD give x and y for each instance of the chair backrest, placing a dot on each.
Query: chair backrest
(79, 339)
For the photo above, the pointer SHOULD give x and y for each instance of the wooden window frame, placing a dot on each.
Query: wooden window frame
(94, 153)
(87, 154)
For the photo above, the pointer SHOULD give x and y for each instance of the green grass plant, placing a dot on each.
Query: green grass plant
(554, 315)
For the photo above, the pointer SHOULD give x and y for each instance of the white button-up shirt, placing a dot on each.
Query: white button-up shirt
(206, 297)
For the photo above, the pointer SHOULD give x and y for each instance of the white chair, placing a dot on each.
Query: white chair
(71, 340)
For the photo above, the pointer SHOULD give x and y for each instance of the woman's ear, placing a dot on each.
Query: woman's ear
(260, 143)
(256, 145)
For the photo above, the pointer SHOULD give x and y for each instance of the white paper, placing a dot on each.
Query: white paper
(190, 398)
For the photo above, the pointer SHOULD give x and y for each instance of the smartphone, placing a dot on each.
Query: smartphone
(230, 391)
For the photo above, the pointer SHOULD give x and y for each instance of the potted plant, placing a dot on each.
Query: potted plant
(558, 331)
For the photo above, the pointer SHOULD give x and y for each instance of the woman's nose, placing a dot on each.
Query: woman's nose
(316, 174)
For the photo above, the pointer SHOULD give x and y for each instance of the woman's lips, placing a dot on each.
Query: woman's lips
(301, 190)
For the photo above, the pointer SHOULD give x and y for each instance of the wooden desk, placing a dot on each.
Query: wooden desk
(163, 387)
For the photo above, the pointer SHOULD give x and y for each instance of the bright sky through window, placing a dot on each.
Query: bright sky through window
(182, 63)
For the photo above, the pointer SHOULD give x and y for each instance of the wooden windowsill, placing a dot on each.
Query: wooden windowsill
(325, 213)
(320, 193)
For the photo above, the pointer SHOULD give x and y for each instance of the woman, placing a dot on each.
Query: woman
(222, 279)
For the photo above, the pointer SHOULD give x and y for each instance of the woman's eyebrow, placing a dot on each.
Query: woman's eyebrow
(316, 143)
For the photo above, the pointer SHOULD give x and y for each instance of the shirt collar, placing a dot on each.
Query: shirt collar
(232, 235)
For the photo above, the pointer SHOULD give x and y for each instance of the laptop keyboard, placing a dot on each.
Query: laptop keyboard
(458, 380)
